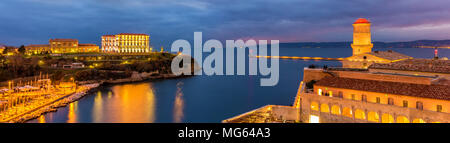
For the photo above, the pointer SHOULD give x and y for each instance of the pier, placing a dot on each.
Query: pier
(301, 58)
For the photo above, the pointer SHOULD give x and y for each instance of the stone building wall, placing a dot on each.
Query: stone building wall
(410, 72)
(313, 74)
(382, 111)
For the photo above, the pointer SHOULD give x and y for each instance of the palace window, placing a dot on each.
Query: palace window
(439, 108)
(314, 119)
(340, 94)
(364, 98)
(353, 97)
(405, 103)
(314, 106)
(378, 100)
(390, 101)
(419, 105)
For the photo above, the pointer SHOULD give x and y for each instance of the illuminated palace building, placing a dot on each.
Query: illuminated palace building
(389, 87)
(61, 46)
(126, 43)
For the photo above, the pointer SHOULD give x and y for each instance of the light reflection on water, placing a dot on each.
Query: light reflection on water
(178, 108)
(129, 103)
(132, 103)
(41, 119)
(97, 113)
(72, 115)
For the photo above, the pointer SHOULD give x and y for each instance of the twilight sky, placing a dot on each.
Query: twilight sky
(35, 21)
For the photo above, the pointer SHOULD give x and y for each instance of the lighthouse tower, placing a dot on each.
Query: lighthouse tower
(362, 42)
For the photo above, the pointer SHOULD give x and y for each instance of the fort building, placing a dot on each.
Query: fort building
(363, 56)
(61, 46)
(371, 87)
(414, 90)
(126, 43)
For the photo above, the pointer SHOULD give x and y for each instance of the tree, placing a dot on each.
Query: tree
(22, 49)
(5, 51)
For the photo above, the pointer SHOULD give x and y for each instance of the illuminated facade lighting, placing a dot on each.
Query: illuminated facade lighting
(126, 43)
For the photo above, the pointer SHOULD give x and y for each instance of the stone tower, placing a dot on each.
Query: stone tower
(362, 42)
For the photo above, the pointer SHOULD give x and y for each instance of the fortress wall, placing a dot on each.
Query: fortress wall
(380, 109)
(313, 74)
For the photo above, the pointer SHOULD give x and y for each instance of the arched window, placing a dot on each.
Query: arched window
(359, 114)
(335, 110)
(324, 108)
(387, 118)
(419, 105)
(347, 112)
(314, 106)
(373, 116)
(418, 120)
(402, 119)
(319, 92)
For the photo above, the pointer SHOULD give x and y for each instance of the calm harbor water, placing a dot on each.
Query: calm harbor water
(200, 98)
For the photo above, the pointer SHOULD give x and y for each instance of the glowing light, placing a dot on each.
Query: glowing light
(314, 119)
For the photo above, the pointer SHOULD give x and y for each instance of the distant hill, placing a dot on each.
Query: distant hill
(410, 44)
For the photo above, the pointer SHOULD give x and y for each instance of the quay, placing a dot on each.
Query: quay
(29, 112)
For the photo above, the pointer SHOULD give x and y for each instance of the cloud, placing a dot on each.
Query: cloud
(31, 21)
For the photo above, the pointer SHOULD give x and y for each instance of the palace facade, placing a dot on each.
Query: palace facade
(61, 46)
(389, 96)
(126, 43)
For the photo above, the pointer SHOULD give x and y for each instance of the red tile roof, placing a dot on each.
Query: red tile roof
(361, 20)
(421, 65)
(64, 40)
(132, 34)
(441, 92)
(87, 44)
(38, 45)
(390, 55)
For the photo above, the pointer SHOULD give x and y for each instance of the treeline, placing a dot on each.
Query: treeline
(162, 66)
(17, 66)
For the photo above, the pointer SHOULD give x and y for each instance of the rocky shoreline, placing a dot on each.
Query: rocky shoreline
(89, 85)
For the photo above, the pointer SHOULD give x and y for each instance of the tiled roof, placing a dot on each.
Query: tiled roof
(390, 55)
(441, 92)
(109, 36)
(421, 65)
(64, 40)
(87, 45)
(38, 45)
